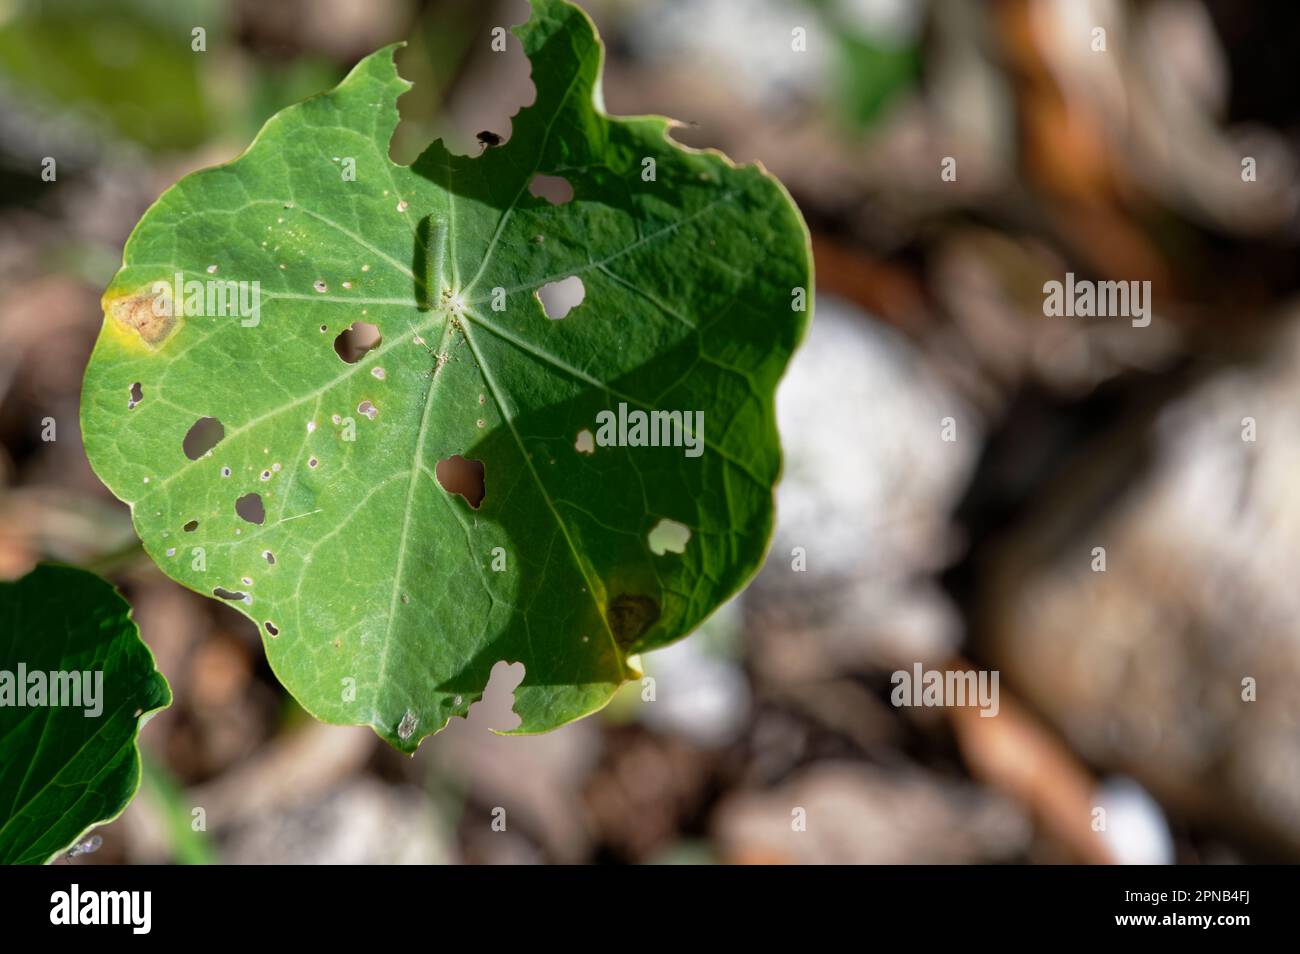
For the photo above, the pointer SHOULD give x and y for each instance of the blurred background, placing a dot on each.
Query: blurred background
(1120, 689)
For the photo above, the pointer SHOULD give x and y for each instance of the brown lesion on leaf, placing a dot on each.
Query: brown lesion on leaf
(630, 617)
(146, 314)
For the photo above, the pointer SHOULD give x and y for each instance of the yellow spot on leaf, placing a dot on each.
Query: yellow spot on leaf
(143, 316)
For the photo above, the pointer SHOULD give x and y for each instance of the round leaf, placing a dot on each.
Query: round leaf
(397, 520)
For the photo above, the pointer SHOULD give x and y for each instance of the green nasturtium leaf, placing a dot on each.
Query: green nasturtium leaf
(68, 756)
(383, 598)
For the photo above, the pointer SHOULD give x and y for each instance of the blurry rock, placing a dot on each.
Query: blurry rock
(855, 814)
(645, 791)
(298, 766)
(780, 741)
(484, 845)
(1150, 667)
(700, 692)
(702, 697)
(863, 501)
(535, 778)
(361, 822)
(1135, 832)
(748, 55)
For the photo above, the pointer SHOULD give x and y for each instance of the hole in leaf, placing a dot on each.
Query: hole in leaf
(668, 536)
(491, 87)
(460, 476)
(205, 434)
(495, 707)
(354, 341)
(271, 628)
(137, 395)
(226, 594)
(554, 189)
(560, 298)
(250, 508)
(191, 526)
(586, 442)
